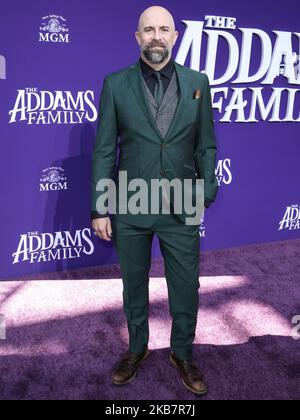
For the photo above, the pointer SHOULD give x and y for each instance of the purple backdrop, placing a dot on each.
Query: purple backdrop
(53, 58)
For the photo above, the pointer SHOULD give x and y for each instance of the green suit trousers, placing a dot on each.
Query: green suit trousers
(179, 245)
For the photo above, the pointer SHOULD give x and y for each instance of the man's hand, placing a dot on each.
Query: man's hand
(102, 228)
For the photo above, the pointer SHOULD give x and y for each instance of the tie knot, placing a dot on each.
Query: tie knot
(157, 75)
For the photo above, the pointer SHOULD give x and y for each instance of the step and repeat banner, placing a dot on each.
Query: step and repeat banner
(54, 56)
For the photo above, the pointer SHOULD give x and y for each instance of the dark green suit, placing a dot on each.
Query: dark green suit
(188, 150)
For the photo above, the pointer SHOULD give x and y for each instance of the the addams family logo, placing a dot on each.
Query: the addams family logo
(35, 247)
(202, 228)
(54, 29)
(291, 218)
(223, 171)
(59, 107)
(53, 179)
(2, 67)
(277, 60)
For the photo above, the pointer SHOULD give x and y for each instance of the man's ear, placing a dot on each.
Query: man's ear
(176, 33)
(137, 37)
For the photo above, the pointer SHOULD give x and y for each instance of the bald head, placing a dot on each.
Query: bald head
(156, 14)
(156, 36)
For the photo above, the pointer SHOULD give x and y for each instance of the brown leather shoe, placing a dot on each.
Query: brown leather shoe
(191, 377)
(127, 367)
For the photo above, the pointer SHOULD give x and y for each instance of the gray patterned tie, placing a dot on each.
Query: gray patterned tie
(159, 88)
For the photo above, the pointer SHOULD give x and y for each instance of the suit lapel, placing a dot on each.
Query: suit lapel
(137, 84)
(182, 103)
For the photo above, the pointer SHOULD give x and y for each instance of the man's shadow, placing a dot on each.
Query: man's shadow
(69, 209)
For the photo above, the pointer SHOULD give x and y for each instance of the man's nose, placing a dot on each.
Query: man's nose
(157, 35)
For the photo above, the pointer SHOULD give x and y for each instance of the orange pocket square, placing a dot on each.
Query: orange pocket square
(197, 94)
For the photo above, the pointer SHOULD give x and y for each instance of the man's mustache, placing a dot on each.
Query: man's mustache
(156, 45)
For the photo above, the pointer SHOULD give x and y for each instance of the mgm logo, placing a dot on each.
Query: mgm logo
(53, 29)
(53, 179)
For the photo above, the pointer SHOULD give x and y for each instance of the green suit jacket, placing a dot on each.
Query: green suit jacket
(187, 151)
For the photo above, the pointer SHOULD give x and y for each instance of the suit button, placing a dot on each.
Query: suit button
(161, 172)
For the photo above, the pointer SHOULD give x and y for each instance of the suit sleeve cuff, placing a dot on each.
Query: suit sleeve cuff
(96, 215)
(207, 202)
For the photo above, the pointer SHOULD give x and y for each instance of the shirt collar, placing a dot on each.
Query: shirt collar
(166, 71)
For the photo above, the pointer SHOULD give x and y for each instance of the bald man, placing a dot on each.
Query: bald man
(162, 112)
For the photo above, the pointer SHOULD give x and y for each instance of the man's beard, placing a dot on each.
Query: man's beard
(155, 55)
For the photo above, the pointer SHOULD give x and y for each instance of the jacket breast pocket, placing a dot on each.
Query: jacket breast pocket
(191, 110)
